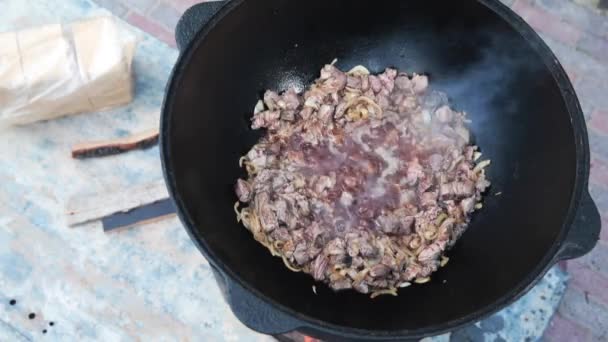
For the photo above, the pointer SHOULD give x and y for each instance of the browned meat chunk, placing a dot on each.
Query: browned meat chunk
(290, 100)
(243, 190)
(406, 225)
(332, 79)
(403, 82)
(379, 270)
(306, 113)
(281, 234)
(271, 100)
(353, 82)
(268, 219)
(314, 98)
(435, 162)
(342, 284)
(444, 114)
(428, 199)
(429, 253)
(265, 119)
(467, 205)
(336, 246)
(375, 83)
(325, 113)
(365, 84)
(389, 223)
(301, 254)
(420, 83)
(482, 184)
(361, 287)
(388, 79)
(414, 172)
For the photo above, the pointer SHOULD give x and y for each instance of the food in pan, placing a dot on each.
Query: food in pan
(362, 181)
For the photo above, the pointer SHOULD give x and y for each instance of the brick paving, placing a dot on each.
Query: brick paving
(578, 34)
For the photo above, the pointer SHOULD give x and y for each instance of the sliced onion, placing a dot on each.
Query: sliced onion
(440, 219)
(259, 107)
(288, 264)
(358, 71)
(482, 165)
(422, 280)
(361, 275)
(392, 292)
(236, 210)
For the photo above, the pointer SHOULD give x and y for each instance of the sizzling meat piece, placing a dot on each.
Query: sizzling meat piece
(362, 181)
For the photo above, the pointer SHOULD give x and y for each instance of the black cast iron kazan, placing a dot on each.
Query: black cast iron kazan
(525, 117)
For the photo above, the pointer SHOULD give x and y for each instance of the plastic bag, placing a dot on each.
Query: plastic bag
(57, 70)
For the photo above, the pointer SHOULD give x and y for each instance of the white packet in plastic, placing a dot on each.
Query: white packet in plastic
(57, 70)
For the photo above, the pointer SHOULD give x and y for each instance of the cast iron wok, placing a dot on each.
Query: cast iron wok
(525, 117)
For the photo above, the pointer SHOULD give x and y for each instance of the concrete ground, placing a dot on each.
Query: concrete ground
(577, 31)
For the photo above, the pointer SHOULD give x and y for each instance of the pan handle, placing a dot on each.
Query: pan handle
(584, 232)
(252, 311)
(193, 20)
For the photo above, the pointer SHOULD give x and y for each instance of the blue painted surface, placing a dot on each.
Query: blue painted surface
(15, 265)
(148, 283)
